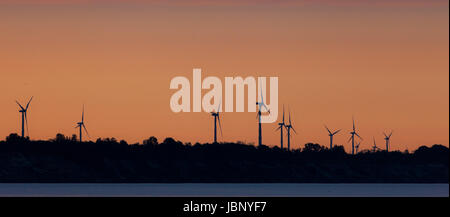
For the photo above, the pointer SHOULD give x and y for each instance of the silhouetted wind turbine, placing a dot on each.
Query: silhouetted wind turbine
(260, 105)
(216, 116)
(289, 127)
(331, 135)
(352, 137)
(374, 147)
(24, 116)
(387, 138)
(281, 126)
(357, 147)
(81, 125)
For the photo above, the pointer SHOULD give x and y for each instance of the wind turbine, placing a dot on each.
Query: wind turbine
(24, 116)
(260, 105)
(387, 138)
(281, 126)
(357, 147)
(331, 134)
(374, 147)
(352, 137)
(81, 125)
(216, 116)
(289, 127)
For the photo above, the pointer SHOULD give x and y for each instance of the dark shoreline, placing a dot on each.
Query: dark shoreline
(64, 160)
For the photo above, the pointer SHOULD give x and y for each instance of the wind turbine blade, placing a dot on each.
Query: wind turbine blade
(290, 117)
(278, 128)
(353, 119)
(19, 105)
(82, 115)
(349, 139)
(26, 123)
(218, 108)
(220, 127)
(359, 136)
(337, 132)
(390, 134)
(267, 109)
(262, 97)
(84, 126)
(294, 130)
(327, 129)
(28, 104)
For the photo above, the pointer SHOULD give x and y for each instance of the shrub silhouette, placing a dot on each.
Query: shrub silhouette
(64, 159)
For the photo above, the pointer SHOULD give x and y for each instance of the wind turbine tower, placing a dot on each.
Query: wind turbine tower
(216, 116)
(387, 138)
(281, 126)
(81, 125)
(374, 147)
(24, 116)
(260, 105)
(288, 128)
(352, 137)
(331, 134)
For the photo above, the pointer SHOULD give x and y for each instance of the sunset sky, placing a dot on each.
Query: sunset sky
(385, 62)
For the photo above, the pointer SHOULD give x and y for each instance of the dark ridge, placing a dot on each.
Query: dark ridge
(107, 160)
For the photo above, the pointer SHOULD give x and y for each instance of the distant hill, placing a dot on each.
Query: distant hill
(107, 160)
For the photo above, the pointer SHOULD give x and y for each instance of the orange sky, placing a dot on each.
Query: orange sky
(387, 64)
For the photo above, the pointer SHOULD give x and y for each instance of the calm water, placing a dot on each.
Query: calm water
(228, 190)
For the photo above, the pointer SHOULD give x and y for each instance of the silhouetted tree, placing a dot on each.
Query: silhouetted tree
(60, 138)
(311, 147)
(437, 153)
(123, 143)
(107, 160)
(152, 141)
(338, 149)
(169, 140)
(14, 138)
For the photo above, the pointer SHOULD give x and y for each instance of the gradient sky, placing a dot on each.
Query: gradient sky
(385, 62)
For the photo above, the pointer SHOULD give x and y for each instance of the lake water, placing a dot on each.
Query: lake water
(225, 190)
